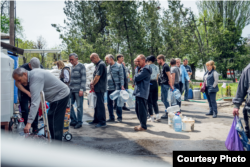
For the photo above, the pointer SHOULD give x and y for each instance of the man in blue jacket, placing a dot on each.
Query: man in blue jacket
(141, 91)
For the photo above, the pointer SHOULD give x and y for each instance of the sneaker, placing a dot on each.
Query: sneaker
(165, 116)
(158, 118)
(78, 126)
(151, 119)
(72, 124)
(125, 108)
(119, 120)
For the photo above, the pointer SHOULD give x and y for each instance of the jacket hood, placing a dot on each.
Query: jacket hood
(148, 68)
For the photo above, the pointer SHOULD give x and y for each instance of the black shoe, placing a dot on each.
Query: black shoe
(78, 126)
(100, 126)
(165, 116)
(210, 113)
(72, 124)
(186, 100)
(110, 120)
(125, 108)
(119, 120)
(214, 115)
(92, 123)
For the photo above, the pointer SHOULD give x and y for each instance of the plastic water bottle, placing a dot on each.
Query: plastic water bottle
(105, 97)
(20, 127)
(177, 95)
(41, 132)
(177, 123)
(124, 94)
(120, 101)
(130, 102)
(114, 95)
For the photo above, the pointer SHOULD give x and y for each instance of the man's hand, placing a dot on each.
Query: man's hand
(28, 93)
(236, 111)
(189, 73)
(27, 128)
(91, 85)
(123, 88)
(189, 81)
(133, 86)
(80, 93)
(172, 87)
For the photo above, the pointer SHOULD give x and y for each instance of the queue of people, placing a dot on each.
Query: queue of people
(31, 79)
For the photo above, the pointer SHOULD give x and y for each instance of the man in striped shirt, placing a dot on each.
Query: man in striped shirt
(77, 87)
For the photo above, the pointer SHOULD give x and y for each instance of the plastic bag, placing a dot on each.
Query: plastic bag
(233, 142)
(92, 98)
(242, 135)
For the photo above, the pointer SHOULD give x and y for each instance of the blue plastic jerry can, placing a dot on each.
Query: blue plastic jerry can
(204, 96)
(190, 93)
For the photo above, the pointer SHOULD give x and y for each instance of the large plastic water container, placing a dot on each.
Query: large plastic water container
(7, 88)
(177, 123)
(124, 94)
(190, 93)
(197, 94)
(188, 124)
(204, 96)
(130, 102)
(15, 58)
(120, 101)
(114, 95)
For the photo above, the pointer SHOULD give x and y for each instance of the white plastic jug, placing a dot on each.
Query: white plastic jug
(114, 95)
(170, 118)
(173, 109)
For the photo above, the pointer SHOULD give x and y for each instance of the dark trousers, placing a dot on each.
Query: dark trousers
(141, 111)
(56, 115)
(111, 108)
(246, 119)
(153, 98)
(100, 114)
(24, 103)
(177, 86)
(211, 98)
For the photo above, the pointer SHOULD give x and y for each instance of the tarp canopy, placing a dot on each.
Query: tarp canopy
(42, 50)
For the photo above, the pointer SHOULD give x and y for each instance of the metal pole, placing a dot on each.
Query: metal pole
(12, 31)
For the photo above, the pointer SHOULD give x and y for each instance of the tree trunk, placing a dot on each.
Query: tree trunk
(24, 59)
(224, 74)
(193, 71)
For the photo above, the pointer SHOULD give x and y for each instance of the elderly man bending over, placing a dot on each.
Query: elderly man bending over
(56, 93)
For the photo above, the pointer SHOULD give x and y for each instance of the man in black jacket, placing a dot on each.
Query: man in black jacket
(24, 93)
(242, 91)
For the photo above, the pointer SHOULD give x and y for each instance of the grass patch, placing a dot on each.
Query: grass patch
(218, 95)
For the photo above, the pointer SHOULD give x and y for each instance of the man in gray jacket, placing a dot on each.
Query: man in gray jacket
(242, 91)
(115, 79)
(77, 86)
(141, 91)
(55, 91)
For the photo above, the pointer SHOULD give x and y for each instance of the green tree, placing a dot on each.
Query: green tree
(236, 11)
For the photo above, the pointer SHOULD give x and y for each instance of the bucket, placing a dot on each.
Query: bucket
(188, 124)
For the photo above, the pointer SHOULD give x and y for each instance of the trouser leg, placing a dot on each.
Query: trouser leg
(142, 112)
(209, 102)
(110, 105)
(186, 90)
(246, 120)
(213, 101)
(79, 103)
(72, 111)
(150, 103)
(100, 108)
(164, 95)
(56, 115)
(24, 109)
(155, 96)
